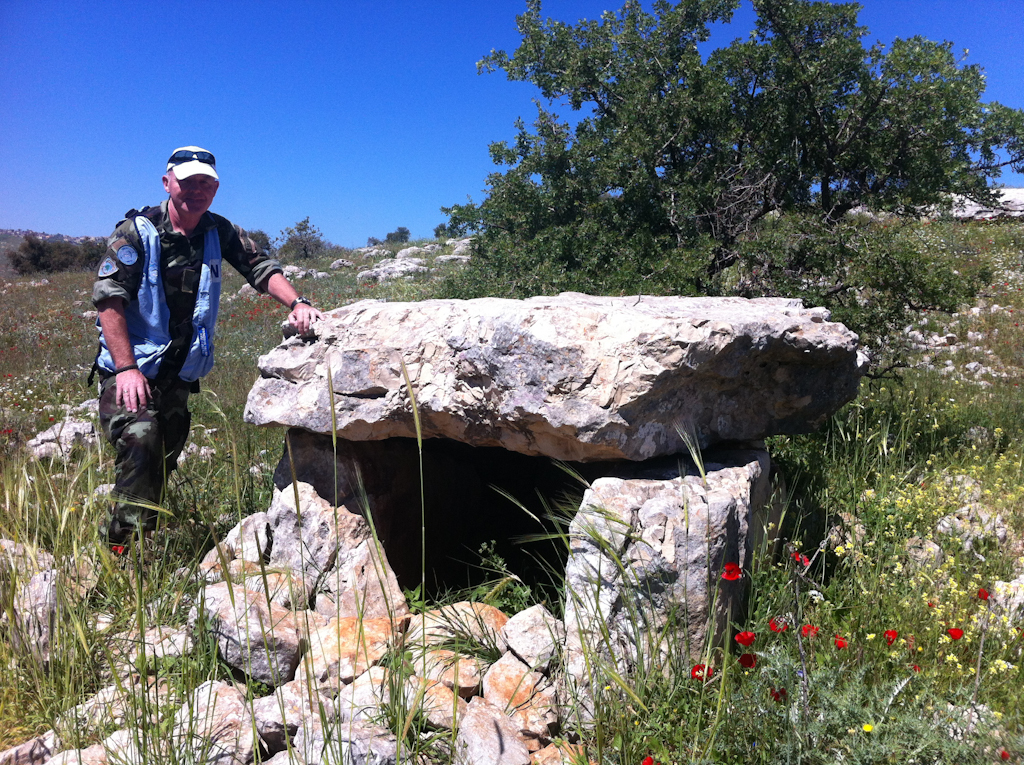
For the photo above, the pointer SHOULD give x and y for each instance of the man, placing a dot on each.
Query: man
(157, 294)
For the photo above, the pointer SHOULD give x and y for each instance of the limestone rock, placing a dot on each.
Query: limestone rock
(134, 699)
(346, 743)
(534, 635)
(35, 613)
(214, 726)
(648, 549)
(21, 561)
(257, 637)
(973, 523)
(487, 737)
(341, 263)
(249, 540)
(362, 699)
(346, 647)
(412, 252)
(362, 584)
(307, 539)
(560, 754)
(92, 755)
(392, 268)
(454, 670)
(572, 377)
(35, 751)
(59, 439)
(524, 696)
(279, 715)
(465, 621)
(436, 701)
(1008, 600)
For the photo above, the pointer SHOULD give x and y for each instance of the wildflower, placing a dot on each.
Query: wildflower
(748, 661)
(732, 572)
(809, 630)
(955, 633)
(867, 727)
(890, 636)
(982, 593)
(701, 672)
(841, 642)
(746, 638)
(915, 667)
(778, 695)
(801, 559)
(778, 625)
(648, 760)
(1004, 755)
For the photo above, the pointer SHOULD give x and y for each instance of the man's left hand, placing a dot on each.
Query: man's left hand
(303, 316)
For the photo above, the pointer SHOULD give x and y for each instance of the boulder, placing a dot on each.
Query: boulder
(392, 268)
(346, 647)
(534, 635)
(572, 377)
(362, 584)
(58, 440)
(453, 670)
(652, 548)
(487, 737)
(35, 751)
(279, 715)
(460, 622)
(214, 726)
(259, 638)
(340, 263)
(525, 696)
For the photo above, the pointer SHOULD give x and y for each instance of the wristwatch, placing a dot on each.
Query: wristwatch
(298, 300)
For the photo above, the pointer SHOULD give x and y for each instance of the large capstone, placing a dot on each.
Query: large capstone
(571, 377)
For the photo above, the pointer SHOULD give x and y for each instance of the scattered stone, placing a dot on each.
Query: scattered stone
(92, 755)
(362, 584)
(460, 622)
(534, 635)
(249, 291)
(59, 439)
(253, 635)
(341, 263)
(249, 540)
(192, 449)
(362, 699)
(392, 268)
(560, 754)
(20, 561)
(487, 737)
(453, 258)
(346, 743)
(35, 751)
(457, 671)
(214, 726)
(279, 715)
(973, 524)
(525, 696)
(346, 647)
(1008, 599)
(34, 614)
(435, 700)
(133, 699)
(412, 252)
(924, 552)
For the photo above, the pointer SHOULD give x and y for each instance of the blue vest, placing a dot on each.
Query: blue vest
(149, 317)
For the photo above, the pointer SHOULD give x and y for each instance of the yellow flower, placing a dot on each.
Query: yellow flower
(867, 727)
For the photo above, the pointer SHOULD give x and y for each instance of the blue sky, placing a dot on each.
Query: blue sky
(362, 115)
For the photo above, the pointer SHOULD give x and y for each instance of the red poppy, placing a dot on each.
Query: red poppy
(931, 604)
(955, 632)
(748, 660)
(701, 672)
(801, 559)
(841, 642)
(1004, 755)
(890, 636)
(746, 639)
(648, 760)
(778, 625)
(982, 593)
(915, 667)
(809, 630)
(779, 695)
(117, 549)
(732, 572)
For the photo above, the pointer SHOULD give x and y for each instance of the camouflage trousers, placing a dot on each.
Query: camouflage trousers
(147, 443)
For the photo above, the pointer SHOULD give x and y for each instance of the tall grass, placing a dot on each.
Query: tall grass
(884, 470)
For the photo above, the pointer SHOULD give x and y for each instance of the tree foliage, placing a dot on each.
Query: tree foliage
(400, 234)
(303, 240)
(36, 255)
(679, 164)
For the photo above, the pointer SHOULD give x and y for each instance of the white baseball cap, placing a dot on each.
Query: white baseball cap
(192, 160)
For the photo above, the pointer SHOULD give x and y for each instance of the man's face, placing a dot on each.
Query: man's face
(193, 195)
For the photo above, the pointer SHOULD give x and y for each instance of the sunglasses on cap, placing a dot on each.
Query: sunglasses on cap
(180, 157)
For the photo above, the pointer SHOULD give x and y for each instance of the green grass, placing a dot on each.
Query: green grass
(878, 473)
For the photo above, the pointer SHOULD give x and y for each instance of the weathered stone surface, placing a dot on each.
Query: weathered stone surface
(362, 584)
(257, 637)
(1008, 600)
(92, 755)
(392, 268)
(362, 699)
(35, 751)
(249, 540)
(573, 377)
(58, 440)
(346, 743)
(133, 699)
(346, 647)
(309, 539)
(524, 696)
(642, 549)
(22, 561)
(279, 715)
(534, 635)
(487, 737)
(476, 622)
(559, 754)
(973, 523)
(436, 701)
(454, 670)
(214, 726)
(34, 614)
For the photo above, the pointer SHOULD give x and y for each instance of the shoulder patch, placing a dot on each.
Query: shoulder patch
(107, 267)
(127, 255)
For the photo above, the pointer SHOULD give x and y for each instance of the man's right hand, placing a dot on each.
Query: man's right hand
(133, 390)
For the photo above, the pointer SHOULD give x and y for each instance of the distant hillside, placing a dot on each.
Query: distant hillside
(11, 239)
